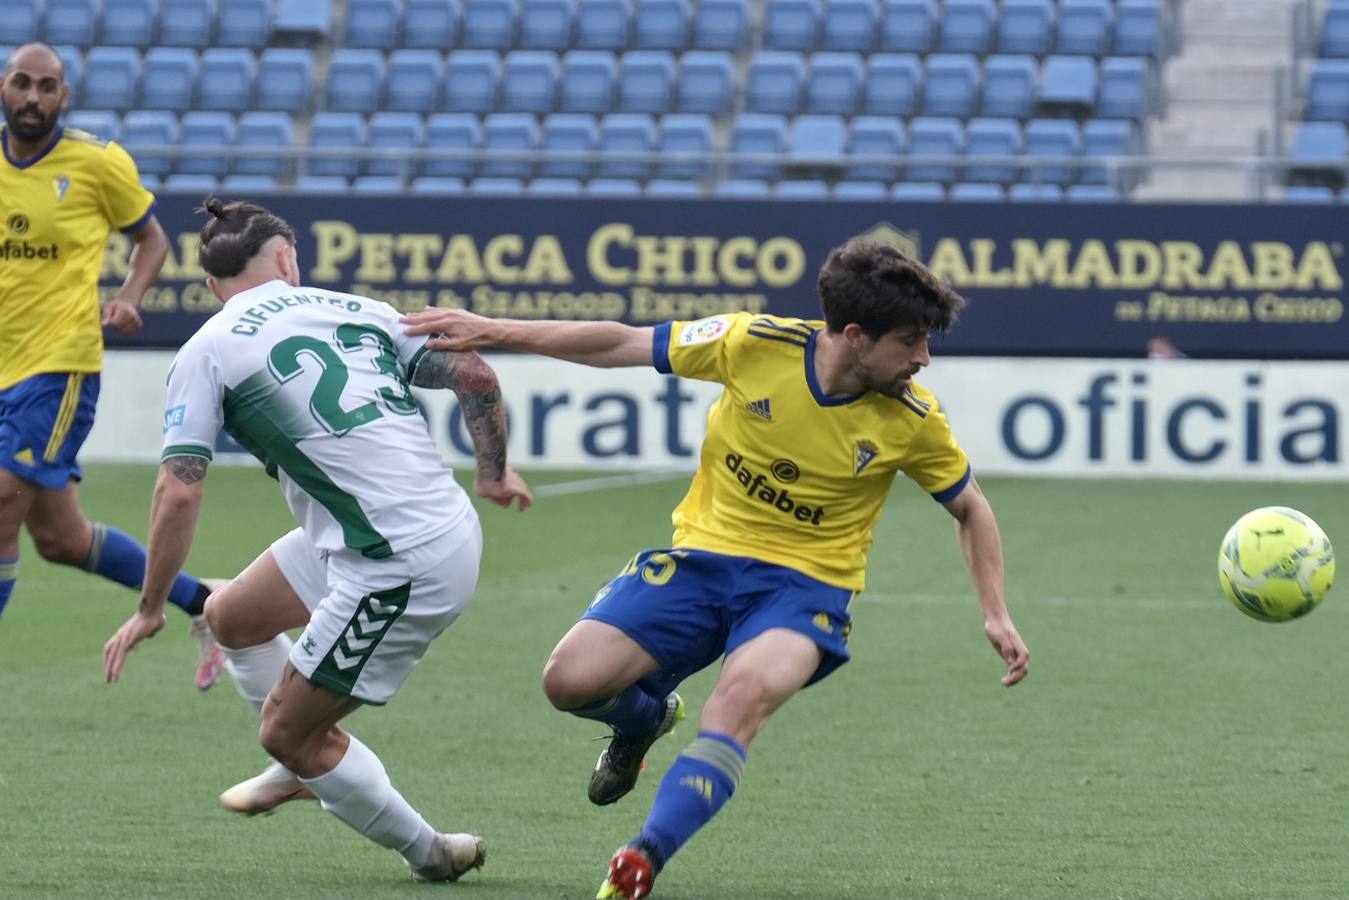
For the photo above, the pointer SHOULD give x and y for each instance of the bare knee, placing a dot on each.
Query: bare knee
(567, 686)
(62, 548)
(229, 631)
(294, 749)
(739, 707)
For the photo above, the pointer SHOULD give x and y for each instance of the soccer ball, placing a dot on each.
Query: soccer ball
(1275, 564)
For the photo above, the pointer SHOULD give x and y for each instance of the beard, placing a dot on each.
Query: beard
(29, 129)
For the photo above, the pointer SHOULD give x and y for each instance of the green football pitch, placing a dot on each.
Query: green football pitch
(1163, 746)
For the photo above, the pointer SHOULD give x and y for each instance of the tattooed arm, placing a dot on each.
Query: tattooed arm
(173, 523)
(479, 393)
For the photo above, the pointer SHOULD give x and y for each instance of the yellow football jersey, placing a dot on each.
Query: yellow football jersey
(788, 475)
(56, 212)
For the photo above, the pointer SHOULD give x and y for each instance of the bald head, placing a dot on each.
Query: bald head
(38, 59)
(33, 91)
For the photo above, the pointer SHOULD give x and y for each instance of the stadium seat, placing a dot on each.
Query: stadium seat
(190, 183)
(850, 25)
(806, 189)
(791, 24)
(818, 139)
(1025, 27)
(471, 78)
(20, 23)
(322, 184)
(546, 24)
(150, 129)
(775, 81)
(102, 124)
(859, 190)
(244, 23)
(1335, 30)
(307, 21)
(111, 77)
(908, 26)
(511, 132)
(1091, 193)
(1084, 27)
(1126, 88)
(355, 80)
(875, 136)
(893, 85)
(1138, 28)
(706, 81)
(930, 136)
(186, 23)
(834, 84)
(452, 132)
(372, 24)
(168, 77)
(1052, 138)
(496, 186)
(1010, 86)
(528, 81)
(950, 85)
(602, 24)
(684, 133)
(226, 79)
(672, 188)
(1067, 87)
(555, 187)
(1308, 194)
(662, 25)
(622, 133)
(414, 81)
(721, 24)
(237, 186)
(742, 188)
(336, 131)
(430, 25)
(588, 78)
(285, 79)
(1328, 90)
(646, 81)
(272, 130)
(394, 131)
(73, 61)
(613, 187)
(966, 26)
(206, 130)
(1319, 154)
(489, 24)
(757, 134)
(126, 23)
(918, 190)
(431, 186)
(1035, 193)
(992, 137)
(976, 193)
(378, 184)
(1109, 138)
(69, 22)
(569, 133)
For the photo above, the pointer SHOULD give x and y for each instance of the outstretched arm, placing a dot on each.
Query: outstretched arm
(605, 345)
(479, 393)
(981, 545)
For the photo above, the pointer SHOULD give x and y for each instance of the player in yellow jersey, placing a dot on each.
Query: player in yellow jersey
(770, 543)
(61, 192)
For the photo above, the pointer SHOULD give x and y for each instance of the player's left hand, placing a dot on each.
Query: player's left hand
(503, 493)
(1004, 637)
(136, 629)
(121, 316)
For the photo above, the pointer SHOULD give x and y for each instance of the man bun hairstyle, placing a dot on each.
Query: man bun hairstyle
(235, 234)
(880, 289)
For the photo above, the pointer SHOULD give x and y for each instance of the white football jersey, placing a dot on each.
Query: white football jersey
(315, 385)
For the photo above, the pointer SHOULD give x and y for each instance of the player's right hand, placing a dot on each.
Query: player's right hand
(503, 493)
(453, 329)
(1004, 637)
(136, 629)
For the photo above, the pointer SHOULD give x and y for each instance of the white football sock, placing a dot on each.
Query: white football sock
(256, 670)
(358, 792)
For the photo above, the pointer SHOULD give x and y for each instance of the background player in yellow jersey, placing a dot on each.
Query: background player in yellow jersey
(770, 543)
(61, 193)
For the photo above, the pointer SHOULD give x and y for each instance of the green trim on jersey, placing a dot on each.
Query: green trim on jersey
(187, 450)
(415, 361)
(340, 668)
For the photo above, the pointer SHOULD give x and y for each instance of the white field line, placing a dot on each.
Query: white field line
(1157, 604)
(588, 485)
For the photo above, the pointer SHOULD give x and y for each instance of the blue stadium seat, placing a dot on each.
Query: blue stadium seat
(706, 81)
(285, 79)
(931, 136)
(1052, 138)
(378, 184)
(1320, 143)
(816, 138)
(859, 190)
(918, 191)
(186, 23)
(1010, 86)
(73, 61)
(226, 79)
(908, 26)
(613, 187)
(662, 24)
(206, 130)
(1084, 27)
(1035, 193)
(1138, 28)
(302, 20)
(273, 130)
(805, 189)
(672, 188)
(1067, 86)
(756, 134)
(646, 81)
(510, 132)
(111, 76)
(431, 186)
(834, 84)
(1328, 90)
(150, 129)
(337, 131)
(430, 25)
(168, 76)
(20, 23)
(489, 24)
(471, 79)
(1107, 138)
(721, 24)
(414, 81)
(394, 130)
(684, 133)
(236, 186)
(850, 25)
(244, 23)
(102, 124)
(190, 183)
(742, 188)
(1126, 88)
(775, 81)
(588, 78)
(602, 24)
(976, 193)
(452, 132)
(1091, 193)
(322, 184)
(1335, 30)
(1025, 26)
(69, 22)
(950, 84)
(569, 133)
(546, 24)
(529, 81)
(555, 187)
(893, 84)
(791, 24)
(126, 23)
(992, 137)
(622, 133)
(355, 80)
(499, 186)
(372, 23)
(1308, 194)
(875, 136)
(967, 26)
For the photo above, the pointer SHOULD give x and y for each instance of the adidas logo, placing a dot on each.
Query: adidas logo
(25, 456)
(761, 408)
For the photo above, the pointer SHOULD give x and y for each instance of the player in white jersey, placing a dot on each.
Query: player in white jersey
(316, 385)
